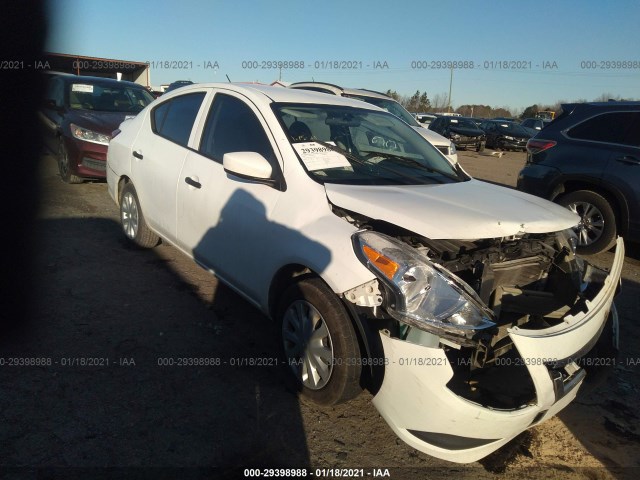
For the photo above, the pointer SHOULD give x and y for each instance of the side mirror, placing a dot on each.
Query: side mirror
(247, 165)
(50, 103)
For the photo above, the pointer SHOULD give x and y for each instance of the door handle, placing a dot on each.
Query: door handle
(628, 159)
(192, 182)
(137, 154)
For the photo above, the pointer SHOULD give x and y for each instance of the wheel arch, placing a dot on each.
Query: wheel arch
(291, 273)
(615, 198)
(122, 181)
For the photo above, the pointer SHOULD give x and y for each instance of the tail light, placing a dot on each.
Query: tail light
(536, 145)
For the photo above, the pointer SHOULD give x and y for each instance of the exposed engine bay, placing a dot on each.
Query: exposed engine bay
(531, 281)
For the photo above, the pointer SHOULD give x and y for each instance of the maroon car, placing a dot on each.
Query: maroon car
(80, 113)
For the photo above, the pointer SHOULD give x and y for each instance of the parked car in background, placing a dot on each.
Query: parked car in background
(588, 160)
(425, 119)
(505, 135)
(535, 123)
(446, 146)
(459, 304)
(178, 84)
(79, 114)
(462, 131)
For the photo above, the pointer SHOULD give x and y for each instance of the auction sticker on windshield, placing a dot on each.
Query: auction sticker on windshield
(81, 87)
(318, 157)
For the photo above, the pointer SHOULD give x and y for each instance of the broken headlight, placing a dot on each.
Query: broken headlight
(426, 295)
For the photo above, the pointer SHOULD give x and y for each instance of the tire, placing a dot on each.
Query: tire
(133, 224)
(597, 228)
(310, 312)
(64, 166)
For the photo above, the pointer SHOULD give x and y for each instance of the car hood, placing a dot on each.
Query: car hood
(433, 137)
(462, 211)
(469, 132)
(101, 122)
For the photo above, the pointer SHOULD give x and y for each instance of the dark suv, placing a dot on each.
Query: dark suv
(588, 159)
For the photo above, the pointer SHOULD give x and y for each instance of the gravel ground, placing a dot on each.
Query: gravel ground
(100, 403)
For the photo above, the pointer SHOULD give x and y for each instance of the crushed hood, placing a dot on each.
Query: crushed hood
(462, 211)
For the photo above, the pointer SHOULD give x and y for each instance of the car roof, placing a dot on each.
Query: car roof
(612, 105)
(337, 90)
(269, 94)
(102, 80)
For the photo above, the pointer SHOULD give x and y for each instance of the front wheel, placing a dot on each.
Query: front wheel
(319, 342)
(597, 228)
(133, 224)
(64, 164)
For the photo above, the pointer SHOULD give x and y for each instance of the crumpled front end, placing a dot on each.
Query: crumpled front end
(503, 351)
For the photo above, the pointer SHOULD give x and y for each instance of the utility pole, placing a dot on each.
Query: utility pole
(450, 83)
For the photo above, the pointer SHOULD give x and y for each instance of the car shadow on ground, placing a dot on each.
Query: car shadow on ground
(122, 369)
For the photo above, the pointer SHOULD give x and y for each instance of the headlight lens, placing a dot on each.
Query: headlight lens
(89, 135)
(507, 137)
(427, 295)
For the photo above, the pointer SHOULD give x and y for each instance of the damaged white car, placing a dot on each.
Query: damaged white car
(460, 305)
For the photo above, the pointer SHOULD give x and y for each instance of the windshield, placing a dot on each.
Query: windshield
(512, 128)
(339, 144)
(107, 97)
(463, 123)
(390, 106)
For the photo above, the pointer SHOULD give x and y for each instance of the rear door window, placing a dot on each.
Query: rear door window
(174, 119)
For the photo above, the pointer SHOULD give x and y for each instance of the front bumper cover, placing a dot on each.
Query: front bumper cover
(423, 412)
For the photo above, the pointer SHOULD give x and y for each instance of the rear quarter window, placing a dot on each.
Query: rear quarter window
(608, 127)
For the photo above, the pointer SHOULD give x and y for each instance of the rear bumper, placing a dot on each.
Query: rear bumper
(423, 412)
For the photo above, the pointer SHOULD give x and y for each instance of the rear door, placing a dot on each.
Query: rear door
(158, 157)
(623, 167)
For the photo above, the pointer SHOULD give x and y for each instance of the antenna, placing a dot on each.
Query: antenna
(227, 77)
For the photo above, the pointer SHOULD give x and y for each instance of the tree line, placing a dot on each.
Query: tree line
(420, 102)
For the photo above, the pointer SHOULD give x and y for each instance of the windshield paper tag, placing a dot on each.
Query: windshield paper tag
(81, 87)
(317, 157)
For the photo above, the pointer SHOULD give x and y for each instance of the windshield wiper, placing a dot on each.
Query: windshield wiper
(411, 161)
(367, 163)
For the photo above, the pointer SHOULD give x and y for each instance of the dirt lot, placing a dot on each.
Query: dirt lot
(108, 315)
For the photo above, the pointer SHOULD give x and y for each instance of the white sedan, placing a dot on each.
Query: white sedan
(460, 305)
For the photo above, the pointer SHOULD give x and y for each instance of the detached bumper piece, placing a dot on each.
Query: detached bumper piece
(424, 413)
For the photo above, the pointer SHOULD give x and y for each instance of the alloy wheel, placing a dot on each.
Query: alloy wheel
(129, 214)
(591, 223)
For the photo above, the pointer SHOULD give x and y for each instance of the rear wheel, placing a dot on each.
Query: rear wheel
(64, 164)
(133, 224)
(597, 228)
(319, 342)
